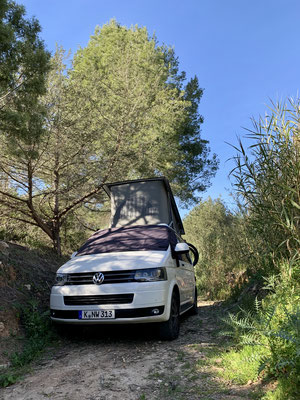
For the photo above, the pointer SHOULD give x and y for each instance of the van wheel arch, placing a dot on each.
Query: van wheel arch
(177, 294)
(169, 330)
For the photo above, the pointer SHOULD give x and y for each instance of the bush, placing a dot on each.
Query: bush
(218, 235)
(266, 179)
(241, 366)
(38, 335)
(271, 330)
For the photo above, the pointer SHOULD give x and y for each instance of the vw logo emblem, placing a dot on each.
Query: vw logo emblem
(98, 278)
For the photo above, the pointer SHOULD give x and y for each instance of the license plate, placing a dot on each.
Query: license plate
(96, 314)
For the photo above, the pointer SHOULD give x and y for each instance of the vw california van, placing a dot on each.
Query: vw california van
(137, 271)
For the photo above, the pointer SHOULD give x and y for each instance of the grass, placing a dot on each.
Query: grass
(196, 375)
(240, 366)
(38, 335)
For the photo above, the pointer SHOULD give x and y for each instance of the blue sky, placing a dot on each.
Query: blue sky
(244, 53)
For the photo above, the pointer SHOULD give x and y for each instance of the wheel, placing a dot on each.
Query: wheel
(194, 309)
(169, 330)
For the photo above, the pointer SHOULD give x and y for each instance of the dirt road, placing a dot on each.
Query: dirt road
(122, 363)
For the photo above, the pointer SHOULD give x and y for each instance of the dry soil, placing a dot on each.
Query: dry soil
(131, 363)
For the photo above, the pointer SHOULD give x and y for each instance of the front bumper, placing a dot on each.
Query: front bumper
(138, 315)
(149, 303)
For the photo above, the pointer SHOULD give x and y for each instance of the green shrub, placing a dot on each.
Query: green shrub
(241, 366)
(218, 235)
(266, 178)
(271, 332)
(38, 335)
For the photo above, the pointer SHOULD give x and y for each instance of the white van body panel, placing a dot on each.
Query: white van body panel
(146, 294)
(117, 261)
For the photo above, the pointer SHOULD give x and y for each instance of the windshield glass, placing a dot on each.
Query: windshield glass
(134, 238)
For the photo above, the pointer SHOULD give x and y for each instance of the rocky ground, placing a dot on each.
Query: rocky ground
(130, 363)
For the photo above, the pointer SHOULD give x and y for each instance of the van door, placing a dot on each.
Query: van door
(186, 275)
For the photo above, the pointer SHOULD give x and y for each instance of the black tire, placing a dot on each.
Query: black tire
(169, 330)
(194, 309)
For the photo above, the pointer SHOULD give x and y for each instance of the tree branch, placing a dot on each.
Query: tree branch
(11, 196)
(78, 201)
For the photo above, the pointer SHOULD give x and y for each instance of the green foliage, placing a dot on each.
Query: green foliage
(271, 332)
(266, 178)
(283, 391)
(38, 335)
(219, 237)
(140, 108)
(24, 63)
(122, 111)
(240, 366)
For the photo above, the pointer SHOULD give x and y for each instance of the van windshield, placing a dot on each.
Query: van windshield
(133, 238)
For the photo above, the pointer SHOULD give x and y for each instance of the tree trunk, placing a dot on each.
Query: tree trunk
(56, 238)
(56, 222)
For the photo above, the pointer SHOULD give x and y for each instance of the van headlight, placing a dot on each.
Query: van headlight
(60, 279)
(150, 275)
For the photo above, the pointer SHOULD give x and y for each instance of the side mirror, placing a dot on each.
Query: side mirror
(195, 253)
(182, 248)
(73, 254)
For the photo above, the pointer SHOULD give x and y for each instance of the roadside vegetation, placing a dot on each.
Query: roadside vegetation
(38, 335)
(220, 238)
(26, 276)
(250, 257)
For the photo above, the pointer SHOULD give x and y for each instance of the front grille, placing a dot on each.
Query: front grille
(86, 278)
(98, 299)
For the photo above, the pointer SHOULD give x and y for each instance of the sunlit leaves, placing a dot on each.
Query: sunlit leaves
(267, 177)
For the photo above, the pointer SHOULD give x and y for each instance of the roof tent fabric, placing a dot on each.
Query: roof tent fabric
(135, 238)
(140, 203)
(143, 202)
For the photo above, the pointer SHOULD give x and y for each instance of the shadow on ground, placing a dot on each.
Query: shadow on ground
(129, 362)
(185, 367)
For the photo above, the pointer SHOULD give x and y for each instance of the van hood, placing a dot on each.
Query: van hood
(129, 260)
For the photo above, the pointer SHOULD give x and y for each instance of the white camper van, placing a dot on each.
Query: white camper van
(137, 271)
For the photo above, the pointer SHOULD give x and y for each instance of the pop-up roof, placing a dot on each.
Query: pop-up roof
(143, 202)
